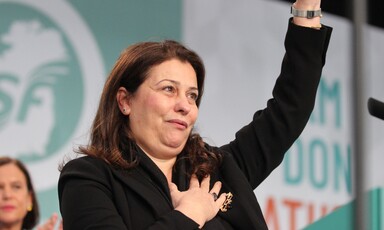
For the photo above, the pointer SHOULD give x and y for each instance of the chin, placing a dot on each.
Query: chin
(177, 146)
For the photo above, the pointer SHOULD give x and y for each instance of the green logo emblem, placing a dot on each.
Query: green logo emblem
(51, 73)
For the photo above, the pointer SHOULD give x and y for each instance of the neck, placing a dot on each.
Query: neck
(4, 226)
(165, 166)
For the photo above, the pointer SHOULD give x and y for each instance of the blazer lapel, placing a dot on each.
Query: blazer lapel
(149, 182)
(138, 181)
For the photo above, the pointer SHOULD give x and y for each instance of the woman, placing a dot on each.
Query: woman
(18, 204)
(145, 168)
(18, 207)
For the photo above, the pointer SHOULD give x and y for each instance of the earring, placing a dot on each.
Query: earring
(124, 110)
(29, 208)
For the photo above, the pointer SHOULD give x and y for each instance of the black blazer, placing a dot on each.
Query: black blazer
(94, 195)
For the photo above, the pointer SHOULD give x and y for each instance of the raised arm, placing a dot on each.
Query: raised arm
(260, 146)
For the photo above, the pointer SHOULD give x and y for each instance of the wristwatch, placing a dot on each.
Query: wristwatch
(305, 13)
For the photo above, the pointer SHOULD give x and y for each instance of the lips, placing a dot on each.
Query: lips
(7, 207)
(179, 123)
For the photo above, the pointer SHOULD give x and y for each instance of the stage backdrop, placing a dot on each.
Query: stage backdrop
(55, 55)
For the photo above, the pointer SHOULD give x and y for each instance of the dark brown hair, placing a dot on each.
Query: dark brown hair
(110, 130)
(32, 217)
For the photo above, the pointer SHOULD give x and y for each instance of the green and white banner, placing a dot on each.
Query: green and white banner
(56, 54)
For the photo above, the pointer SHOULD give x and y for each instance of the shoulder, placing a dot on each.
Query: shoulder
(84, 161)
(86, 167)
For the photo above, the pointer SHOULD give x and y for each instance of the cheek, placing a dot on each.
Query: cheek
(157, 105)
(194, 114)
(147, 112)
(152, 102)
(145, 105)
(25, 199)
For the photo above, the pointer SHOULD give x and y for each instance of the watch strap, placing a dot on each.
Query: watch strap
(305, 13)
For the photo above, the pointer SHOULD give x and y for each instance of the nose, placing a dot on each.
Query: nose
(183, 105)
(5, 193)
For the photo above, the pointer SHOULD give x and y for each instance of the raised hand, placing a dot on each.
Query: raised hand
(308, 4)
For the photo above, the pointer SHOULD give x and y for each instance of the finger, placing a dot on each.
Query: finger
(216, 187)
(220, 201)
(44, 226)
(205, 183)
(53, 218)
(214, 196)
(194, 183)
(60, 226)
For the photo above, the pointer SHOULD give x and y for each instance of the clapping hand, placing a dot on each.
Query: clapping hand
(50, 223)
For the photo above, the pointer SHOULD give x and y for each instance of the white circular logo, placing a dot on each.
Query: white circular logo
(51, 74)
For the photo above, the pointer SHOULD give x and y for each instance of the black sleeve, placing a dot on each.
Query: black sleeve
(260, 146)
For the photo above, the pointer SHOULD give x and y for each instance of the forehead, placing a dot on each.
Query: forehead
(173, 69)
(10, 172)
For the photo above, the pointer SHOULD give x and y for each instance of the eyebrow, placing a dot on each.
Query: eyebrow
(176, 83)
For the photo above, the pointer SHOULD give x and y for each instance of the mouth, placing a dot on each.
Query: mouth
(7, 208)
(179, 123)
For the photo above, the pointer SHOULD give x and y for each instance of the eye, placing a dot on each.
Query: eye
(16, 186)
(193, 96)
(169, 88)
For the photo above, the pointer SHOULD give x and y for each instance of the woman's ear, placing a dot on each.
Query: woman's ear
(122, 98)
(29, 202)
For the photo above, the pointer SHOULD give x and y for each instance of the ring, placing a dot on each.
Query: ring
(214, 196)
